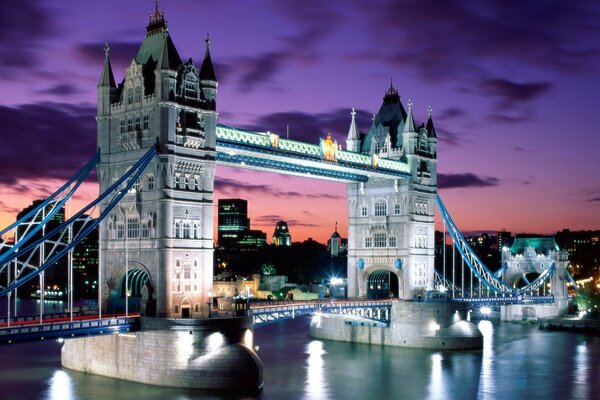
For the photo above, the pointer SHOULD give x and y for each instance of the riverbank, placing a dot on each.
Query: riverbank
(571, 324)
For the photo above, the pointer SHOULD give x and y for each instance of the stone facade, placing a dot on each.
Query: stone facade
(391, 222)
(413, 324)
(195, 354)
(166, 222)
(531, 256)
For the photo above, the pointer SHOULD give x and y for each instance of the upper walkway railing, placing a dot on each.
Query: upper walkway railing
(326, 160)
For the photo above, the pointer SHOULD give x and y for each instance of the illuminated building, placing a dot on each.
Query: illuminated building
(232, 222)
(233, 228)
(281, 236)
(337, 244)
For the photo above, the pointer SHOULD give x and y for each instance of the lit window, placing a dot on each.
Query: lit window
(380, 207)
(145, 230)
(363, 211)
(392, 241)
(380, 239)
(150, 182)
(133, 227)
(120, 231)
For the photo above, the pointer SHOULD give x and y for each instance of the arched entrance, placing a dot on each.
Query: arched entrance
(382, 284)
(186, 308)
(137, 276)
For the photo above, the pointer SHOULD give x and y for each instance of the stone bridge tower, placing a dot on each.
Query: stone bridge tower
(162, 232)
(530, 256)
(391, 222)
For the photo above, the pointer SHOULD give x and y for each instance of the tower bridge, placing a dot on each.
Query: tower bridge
(159, 143)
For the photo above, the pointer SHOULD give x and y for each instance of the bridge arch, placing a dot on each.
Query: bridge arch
(381, 282)
(137, 276)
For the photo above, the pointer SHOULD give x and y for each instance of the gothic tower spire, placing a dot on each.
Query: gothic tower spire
(353, 142)
(107, 78)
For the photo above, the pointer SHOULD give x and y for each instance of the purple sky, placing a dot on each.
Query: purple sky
(514, 87)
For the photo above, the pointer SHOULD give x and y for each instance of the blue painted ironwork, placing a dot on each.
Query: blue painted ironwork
(119, 189)
(56, 199)
(68, 329)
(378, 311)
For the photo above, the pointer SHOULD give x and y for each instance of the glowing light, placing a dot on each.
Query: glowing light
(214, 342)
(485, 311)
(60, 340)
(316, 319)
(336, 281)
(248, 339)
(443, 289)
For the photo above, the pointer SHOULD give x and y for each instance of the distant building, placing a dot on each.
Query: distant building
(232, 222)
(504, 239)
(584, 250)
(234, 231)
(252, 239)
(337, 244)
(281, 236)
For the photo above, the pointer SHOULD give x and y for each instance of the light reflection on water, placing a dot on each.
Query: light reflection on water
(518, 362)
(487, 384)
(316, 384)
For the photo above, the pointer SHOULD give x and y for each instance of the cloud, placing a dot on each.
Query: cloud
(313, 21)
(594, 200)
(45, 140)
(452, 181)
(23, 26)
(233, 187)
(311, 127)
(449, 113)
(274, 219)
(508, 92)
(61, 89)
(121, 54)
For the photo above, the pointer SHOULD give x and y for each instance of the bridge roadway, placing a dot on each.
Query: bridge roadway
(361, 311)
(62, 325)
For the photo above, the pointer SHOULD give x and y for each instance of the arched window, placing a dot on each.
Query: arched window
(177, 229)
(133, 227)
(380, 207)
(380, 239)
(392, 241)
(186, 230)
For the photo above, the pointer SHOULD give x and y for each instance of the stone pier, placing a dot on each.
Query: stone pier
(184, 353)
(413, 324)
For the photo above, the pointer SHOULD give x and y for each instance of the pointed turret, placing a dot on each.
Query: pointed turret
(157, 21)
(429, 127)
(107, 78)
(353, 142)
(207, 72)
(409, 126)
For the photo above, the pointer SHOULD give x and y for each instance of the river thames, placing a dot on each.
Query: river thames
(518, 361)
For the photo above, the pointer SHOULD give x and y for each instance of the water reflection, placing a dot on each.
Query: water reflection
(580, 372)
(437, 385)
(487, 382)
(316, 385)
(60, 386)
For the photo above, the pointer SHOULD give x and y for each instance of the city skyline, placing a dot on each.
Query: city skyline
(512, 98)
